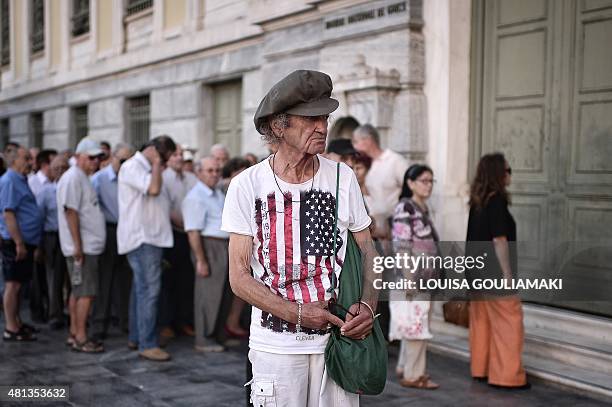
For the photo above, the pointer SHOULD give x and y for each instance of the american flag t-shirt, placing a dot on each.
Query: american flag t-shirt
(296, 252)
(292, 227)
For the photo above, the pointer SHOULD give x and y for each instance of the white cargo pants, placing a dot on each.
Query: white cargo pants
(295, 381)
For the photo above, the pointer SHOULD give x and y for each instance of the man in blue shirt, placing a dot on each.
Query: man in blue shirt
(115, 276)
(55, 262)
(202, 209)
(20, 229)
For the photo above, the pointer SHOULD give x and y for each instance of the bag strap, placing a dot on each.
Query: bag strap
(334, 281)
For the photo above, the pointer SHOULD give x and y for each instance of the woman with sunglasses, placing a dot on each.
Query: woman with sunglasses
(496, 318)
(413, 232)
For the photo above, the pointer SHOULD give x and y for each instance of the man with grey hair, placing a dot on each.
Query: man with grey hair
(220, 154)
(280, 214)
(20, 229)
(202, 209)
(115, 277)
(384, 180)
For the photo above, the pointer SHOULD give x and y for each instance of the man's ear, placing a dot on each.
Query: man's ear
(277, 128)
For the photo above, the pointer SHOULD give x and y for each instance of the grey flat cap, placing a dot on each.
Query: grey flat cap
(301, 93)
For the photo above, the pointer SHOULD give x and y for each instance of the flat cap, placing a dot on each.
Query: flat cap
(301, 93)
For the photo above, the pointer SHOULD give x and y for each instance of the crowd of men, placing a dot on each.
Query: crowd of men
(133, 238)
(108, 236)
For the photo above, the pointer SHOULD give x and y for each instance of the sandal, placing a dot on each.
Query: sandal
(19, 336)
(71, 340)
(88, 346)
(422, 382)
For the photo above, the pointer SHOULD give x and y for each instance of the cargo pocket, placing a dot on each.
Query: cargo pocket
(262, 392)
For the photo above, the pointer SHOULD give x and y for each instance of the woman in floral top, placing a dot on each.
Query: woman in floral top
(413, 232)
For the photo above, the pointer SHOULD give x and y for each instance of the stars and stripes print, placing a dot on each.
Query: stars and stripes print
(295, 248)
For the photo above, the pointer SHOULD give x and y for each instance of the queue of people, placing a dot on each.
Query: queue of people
(99, 237)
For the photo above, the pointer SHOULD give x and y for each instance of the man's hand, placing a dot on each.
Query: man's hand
(21, 251)
(316, 316)
(360, 326)
(78, 255)
(202, 269)
(152, 155)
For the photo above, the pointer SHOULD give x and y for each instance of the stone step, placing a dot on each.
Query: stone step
(567, 348)
(580, 380)
(591, 328)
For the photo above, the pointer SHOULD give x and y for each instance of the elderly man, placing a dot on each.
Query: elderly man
(55, 262)
(220, 154)
(280, 216)
(82, 238)
(176, 298)
(202, 209)
(115, 275)
(385, 179)
(143, 232)
(20, 229)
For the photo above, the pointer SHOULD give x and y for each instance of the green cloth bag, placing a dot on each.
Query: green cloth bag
(358, 366)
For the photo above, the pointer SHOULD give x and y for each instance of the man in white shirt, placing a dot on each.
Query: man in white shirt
(143, 231)
(384, 180)
(82, 238)
(176, 298)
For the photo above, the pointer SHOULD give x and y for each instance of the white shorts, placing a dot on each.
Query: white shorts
(295, 381)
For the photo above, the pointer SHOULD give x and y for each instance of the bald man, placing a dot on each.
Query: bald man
(202, 210)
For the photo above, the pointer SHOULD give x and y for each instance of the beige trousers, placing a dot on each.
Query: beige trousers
(412, 358)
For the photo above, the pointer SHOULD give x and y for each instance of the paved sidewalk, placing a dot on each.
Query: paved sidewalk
(119, 378)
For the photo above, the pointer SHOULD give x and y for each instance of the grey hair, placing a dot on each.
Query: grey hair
(120, 146)
(265, 127)
(218, 146)
(367, 130)
(197, 165)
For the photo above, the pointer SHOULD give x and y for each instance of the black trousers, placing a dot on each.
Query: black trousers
(177, 285)
(114, 281)
(55, 264)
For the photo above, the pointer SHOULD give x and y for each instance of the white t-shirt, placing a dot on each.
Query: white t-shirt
(74, 191)
(176, 188)
(294, 234)
(142, 218)
(384, 183)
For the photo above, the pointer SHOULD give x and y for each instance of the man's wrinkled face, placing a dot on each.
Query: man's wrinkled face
(176, 159)
(93, 163)
(23, 162)
(209, 172)
(221, 156)
(307, 134)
